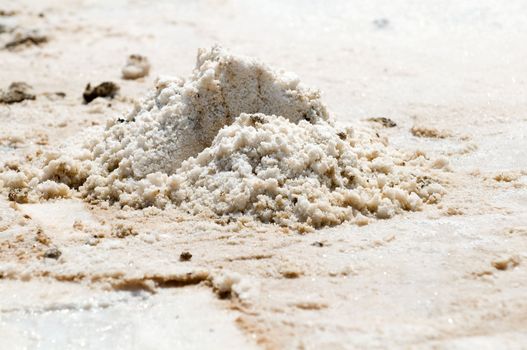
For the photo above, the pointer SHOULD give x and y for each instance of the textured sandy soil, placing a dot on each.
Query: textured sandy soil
(453, 77)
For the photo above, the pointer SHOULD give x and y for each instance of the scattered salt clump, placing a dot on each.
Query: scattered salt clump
(136, 67)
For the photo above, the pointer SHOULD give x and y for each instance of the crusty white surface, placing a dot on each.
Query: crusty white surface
(420, 279)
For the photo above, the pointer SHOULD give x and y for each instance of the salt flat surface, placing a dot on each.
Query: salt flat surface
(426, 279)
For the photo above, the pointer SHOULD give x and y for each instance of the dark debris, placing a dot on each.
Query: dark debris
(105, 89)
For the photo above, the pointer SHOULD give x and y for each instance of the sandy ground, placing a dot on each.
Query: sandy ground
(451, 276)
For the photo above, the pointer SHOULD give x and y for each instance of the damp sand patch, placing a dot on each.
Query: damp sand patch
(236, 138)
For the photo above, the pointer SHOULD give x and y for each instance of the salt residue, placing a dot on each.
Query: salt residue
(238, 138)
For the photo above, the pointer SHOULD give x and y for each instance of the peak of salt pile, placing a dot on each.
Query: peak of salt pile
(180, 117)
(237, 138)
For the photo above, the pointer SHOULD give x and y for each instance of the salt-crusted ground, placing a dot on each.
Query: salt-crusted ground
(453, 78)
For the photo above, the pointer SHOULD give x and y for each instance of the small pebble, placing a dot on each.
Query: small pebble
(185, 256)
(52, 253)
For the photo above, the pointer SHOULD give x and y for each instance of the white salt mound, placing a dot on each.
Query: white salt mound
(237, 138)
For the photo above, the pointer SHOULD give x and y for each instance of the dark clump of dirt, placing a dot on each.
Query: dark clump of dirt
(26, 38)
(52, 253)
(17, 92)
(386, 122)
(105, 89)
(185, 256)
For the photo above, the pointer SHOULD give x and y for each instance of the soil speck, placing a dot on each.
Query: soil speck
(52, 253)
(386, 122)
(185, 256)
